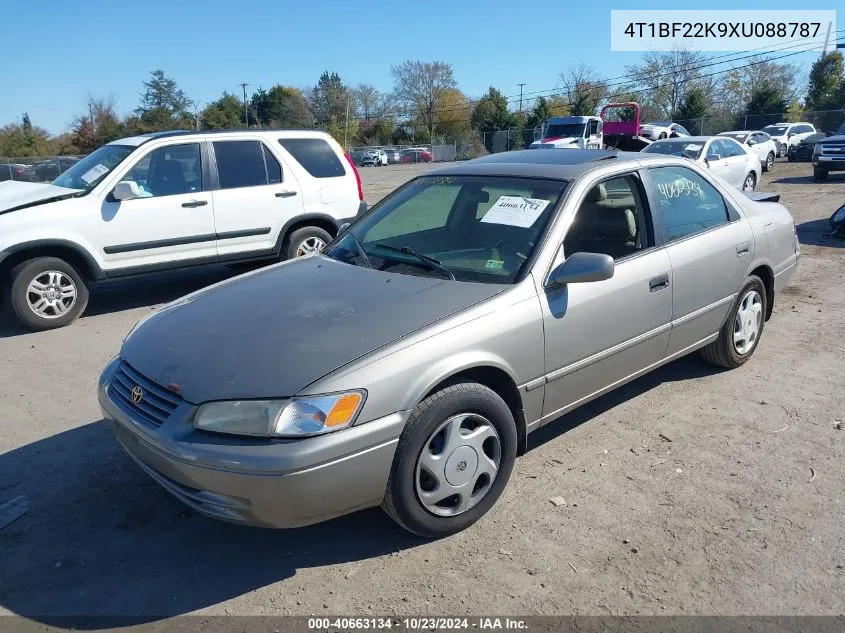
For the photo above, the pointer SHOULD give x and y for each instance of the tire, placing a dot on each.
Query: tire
(295, 244)
(403, 502)
(770, 162)
(752, 178)
(724, 352)
(791, 158)
(59, 277)
(820, 174)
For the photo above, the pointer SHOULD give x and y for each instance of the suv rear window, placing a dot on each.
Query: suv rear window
(315, 155)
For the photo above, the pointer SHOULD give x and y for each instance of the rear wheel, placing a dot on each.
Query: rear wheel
(743, 328)
(750, 182)
(820, 174)
(46, 293)
(453, 460)
(306, 241)
(770, 162)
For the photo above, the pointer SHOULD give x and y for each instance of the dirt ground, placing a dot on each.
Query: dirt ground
(689, 491)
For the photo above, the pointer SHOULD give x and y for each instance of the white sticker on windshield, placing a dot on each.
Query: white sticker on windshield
(515, 211)
(692, 147)
(95, 172)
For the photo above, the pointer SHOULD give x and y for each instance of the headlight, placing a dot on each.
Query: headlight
(817, 149)
(297, 417)
(839, 216)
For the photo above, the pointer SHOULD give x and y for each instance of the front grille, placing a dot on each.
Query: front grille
(837, 148)
(156, 403)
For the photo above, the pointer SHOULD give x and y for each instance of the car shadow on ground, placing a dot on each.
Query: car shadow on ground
(127, 294)
(806, 180)
(102, 539)
(817, 233)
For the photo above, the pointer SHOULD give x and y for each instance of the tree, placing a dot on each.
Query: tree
(539, 114)
(583, 92)
(330, 99)
(491, 114)
(280, 107)
(766, 99)
(24, 139)
(225, 112)
(98, 126)
(826, 81)
(452, 113)
(794, 111)
(369, 101)
(663, 78)
(739, 85)
(163, 105)
(420, 85)
(693, 108)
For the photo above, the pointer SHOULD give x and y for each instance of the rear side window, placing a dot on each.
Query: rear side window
(315, 155)
(245, 164)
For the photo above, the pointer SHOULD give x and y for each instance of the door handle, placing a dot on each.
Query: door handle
(285, 194)
(742, 249)
(659, 282)
(195, 203)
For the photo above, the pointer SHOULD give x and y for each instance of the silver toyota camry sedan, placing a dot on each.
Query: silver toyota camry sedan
(406, 365)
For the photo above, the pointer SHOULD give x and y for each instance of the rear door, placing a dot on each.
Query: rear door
(710, 246)
(253, 196)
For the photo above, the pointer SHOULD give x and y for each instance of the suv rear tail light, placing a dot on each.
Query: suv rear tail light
(357, 175)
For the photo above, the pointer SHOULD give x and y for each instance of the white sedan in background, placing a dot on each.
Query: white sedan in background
(758, 143)
(721, 155)
(657, 130)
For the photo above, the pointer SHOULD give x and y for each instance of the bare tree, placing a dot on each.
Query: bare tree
(663, 78)
(582, 89)
(739, 84)
(369, 101)
(420, 86)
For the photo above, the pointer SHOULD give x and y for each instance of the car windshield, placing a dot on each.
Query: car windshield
(841, 130)
(566, 129)
(775, 130)
(470, 228)
(89, 171)
(676, 148)
(739, 137)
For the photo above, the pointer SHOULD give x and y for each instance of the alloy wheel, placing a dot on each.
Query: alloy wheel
(310, 245)
(51, 294)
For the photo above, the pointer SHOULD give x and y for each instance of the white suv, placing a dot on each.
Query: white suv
(169, 200)
(785, 134)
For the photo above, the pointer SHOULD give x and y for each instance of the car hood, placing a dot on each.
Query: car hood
(556, 141)
(273, 332)
(839, 138)
(16, 195)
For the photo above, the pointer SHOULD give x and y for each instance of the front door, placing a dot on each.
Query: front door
(599, 334)
(171, 221)
(722, 165)
(253, 197)
(710, 246)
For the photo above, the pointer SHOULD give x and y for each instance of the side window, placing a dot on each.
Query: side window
(422, 212)
(731, 148)
(612, 220)
(274, 169)
(594, 127)
(687, 203)
(315, 155)
(716, 147)
(240, 164)
(168, 171)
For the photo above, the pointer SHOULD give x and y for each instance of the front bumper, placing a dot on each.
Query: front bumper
(266, 483)
(829, 163)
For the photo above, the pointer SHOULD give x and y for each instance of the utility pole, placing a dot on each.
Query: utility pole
(827, 39)
(346, 122)
(246, 111)
(520, 95)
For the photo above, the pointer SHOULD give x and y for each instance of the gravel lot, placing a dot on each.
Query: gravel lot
(689, 491)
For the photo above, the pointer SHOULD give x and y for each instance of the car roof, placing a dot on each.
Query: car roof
(560, 164)
(686, 139)
(145, 138)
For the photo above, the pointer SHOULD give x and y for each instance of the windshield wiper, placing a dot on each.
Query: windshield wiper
(423, 258)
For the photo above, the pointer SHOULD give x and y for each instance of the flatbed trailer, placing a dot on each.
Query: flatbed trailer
(623, 135)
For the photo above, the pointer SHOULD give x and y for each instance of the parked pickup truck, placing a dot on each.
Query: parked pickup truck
(169, 200)
(829, 154)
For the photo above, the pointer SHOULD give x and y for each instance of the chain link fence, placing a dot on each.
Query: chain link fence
(405, 154)
(35, 168)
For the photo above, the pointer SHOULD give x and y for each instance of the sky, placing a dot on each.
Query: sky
(58, 55)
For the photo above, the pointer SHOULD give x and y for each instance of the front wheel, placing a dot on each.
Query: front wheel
(306, 241)
(750, 182)
(819, 174)
(743, 328)
(46, 293)
(453, 461)
(770, 162)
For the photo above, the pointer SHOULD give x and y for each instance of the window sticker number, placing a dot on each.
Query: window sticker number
(679, 188)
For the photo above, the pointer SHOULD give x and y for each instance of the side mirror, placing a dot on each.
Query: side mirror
(712, 157)
(126, 190)
(343, 227)
(790, 135)
(751, 142)
(581, 268)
